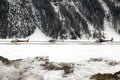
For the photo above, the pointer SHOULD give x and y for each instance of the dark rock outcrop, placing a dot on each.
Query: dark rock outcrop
(66, 67)
(4, 60)
(103, 77)
(107, 76)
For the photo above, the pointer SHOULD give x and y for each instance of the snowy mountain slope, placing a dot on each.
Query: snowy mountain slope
(38, 36)
(39, 68)
(60, 19)
(107, 22)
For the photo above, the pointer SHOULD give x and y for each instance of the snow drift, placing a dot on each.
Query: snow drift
(40, 68)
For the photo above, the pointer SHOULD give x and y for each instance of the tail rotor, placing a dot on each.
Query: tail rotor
(112, 40)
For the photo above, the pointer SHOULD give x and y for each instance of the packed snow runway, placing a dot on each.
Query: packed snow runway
(62, 53)
(60, 43)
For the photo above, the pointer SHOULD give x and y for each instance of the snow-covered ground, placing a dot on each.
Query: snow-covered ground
(64, 53)
(39, 68)
(79, 55)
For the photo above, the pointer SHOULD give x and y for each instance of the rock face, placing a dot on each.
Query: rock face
(59, 19)
(4, 60)
(103, 77)
(107, 76)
